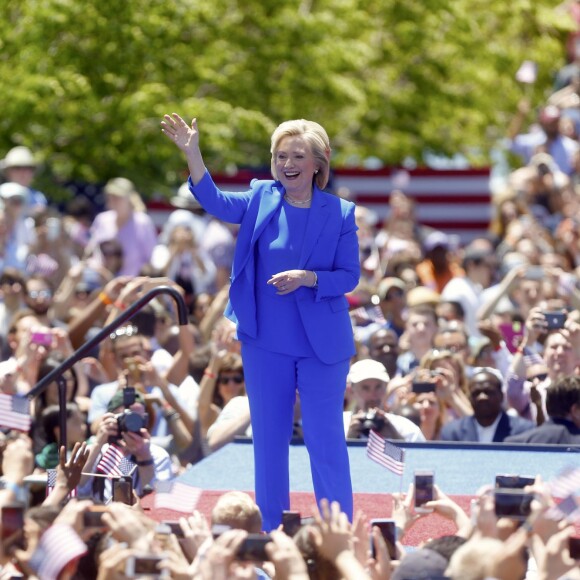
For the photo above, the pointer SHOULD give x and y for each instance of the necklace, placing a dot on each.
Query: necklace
(293, 201)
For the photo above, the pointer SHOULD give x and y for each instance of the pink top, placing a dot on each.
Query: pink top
(137, 237)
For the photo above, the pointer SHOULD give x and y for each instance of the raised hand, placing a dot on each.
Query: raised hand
(184, 136)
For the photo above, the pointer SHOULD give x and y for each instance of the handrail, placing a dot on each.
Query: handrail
(106, 331)
(81, 352)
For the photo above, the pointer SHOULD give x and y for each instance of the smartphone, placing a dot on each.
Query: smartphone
(12, 526)
(574, 547)
(143, 566)
(123, 490)
(128, 396)
(513, 481)
(424, 481)
(218, 529)
(41, 338)
(534, 273)
(512, 333)
(291, 522)
(555, 320)
(389, 533)
(423, 387)
(513, 504)
(253, 547)
(175, 528)
(93, 516)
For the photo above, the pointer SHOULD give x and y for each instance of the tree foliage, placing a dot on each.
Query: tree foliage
(85, 84)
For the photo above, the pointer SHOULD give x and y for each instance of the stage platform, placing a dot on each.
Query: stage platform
(460, 470)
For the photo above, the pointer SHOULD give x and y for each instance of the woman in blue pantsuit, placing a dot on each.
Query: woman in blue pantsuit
(296, 256)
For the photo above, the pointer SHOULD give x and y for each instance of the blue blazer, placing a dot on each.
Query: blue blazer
(330, 249)
(464, 429)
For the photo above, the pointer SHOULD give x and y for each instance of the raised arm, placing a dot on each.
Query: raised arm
(187, 139)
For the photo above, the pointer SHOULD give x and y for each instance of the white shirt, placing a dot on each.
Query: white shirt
(486, 434)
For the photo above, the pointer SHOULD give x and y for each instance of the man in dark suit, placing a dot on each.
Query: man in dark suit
(489, 422)
(563, 425)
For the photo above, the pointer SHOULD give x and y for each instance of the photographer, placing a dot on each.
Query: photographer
(125, 428)
(367, 383)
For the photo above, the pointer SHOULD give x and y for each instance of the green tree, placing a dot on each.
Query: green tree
(85, 84)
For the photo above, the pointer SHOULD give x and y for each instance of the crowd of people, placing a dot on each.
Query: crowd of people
(476, 342)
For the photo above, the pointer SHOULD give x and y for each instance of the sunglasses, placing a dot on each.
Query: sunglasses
(238, 379)
(34, 294)
(541, 377)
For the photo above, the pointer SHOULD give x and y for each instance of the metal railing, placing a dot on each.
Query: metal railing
(56, 374)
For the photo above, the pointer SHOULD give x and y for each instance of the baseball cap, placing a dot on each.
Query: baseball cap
(117, 400)
(422, 295)
(435, 239)
(11, 190)
(420, 565)
(367, 369)
(387, 283)
(184, 198)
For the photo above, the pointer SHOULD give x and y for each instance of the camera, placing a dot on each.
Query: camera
(130, 421)
(371, 421)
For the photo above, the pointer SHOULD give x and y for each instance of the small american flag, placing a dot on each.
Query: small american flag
(386, 453)
(15, 412)
(567, 483)
(51, 482)
(174, 495)
(114, 463)
(372, 314)
(58, 546)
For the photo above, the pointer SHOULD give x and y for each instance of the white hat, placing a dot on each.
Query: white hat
(367, 369)
(18, 157)
(184, 198)
(10, 190)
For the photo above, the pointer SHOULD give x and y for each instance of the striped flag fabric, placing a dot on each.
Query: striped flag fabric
(567, 483)
(51, 482)
(15, 412)
(386, 453)
(114, 463)
(175, 495)
(58, 546)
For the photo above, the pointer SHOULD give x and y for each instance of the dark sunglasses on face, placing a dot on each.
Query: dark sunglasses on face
(238, 379)
(541, 377)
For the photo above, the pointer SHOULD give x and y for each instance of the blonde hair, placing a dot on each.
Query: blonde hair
(239, 511)
(316, 137)
(473, 560)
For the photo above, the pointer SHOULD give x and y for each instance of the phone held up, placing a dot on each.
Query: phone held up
(424, 481)
(389, 533)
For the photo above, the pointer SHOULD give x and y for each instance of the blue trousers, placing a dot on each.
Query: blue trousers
(272, 380)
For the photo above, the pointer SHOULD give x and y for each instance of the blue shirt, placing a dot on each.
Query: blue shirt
(280, 327)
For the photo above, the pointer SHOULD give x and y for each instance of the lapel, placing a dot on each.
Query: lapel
(503, 428)
(316, 222)
(269, 203)
(470, 429)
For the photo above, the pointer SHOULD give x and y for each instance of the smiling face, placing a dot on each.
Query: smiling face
(295, 165)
